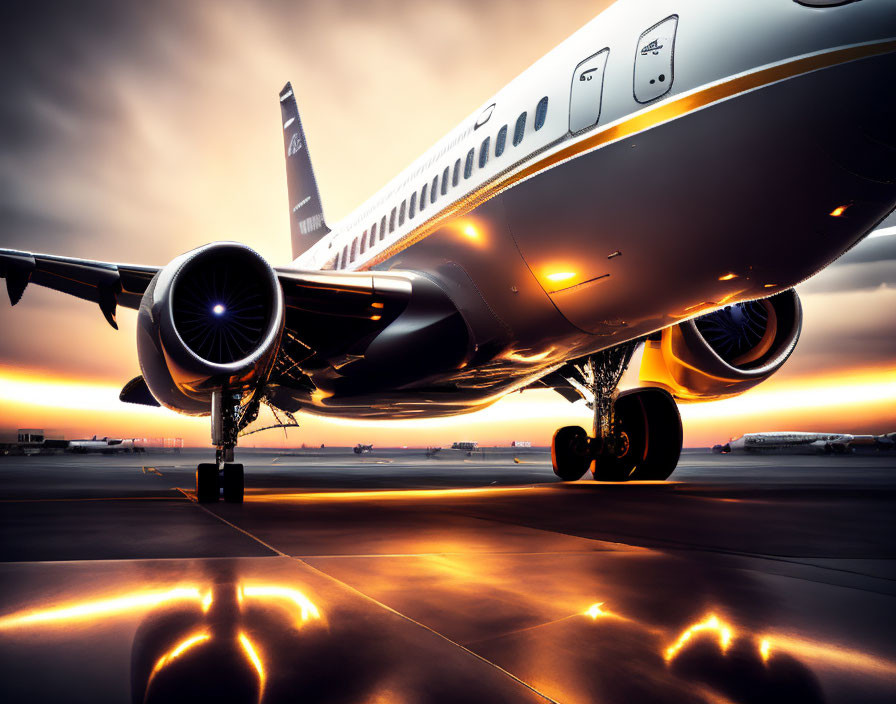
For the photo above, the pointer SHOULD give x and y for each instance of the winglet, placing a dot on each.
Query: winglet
(306, 216)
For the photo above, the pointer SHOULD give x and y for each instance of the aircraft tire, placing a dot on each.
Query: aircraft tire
(207, 483)
(233, 483)
(569, 453)
(651, 425)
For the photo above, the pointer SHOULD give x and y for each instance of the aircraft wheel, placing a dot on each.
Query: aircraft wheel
(649, 421)
(207, 483)
(233, 483)
(616, 468)
(569, 453)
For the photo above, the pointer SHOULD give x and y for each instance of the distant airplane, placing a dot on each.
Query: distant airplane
(363, 449)
(464, 445)
(806, 443)
(104, 445)
(716, 155)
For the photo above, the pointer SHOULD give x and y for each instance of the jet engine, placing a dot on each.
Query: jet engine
(725, 352)
(209, 321)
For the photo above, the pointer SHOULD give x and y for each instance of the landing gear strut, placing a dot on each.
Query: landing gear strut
(224, 476)
(636, 434)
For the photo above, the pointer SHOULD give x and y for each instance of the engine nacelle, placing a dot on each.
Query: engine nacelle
(210, 320)
(726, 352)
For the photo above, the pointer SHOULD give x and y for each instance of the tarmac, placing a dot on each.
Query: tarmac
(392, 577)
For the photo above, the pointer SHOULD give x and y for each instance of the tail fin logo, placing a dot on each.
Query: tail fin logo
(295, 143)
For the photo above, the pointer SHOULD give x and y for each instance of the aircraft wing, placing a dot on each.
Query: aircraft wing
(313, 298)
(108, 285)
(329, 315)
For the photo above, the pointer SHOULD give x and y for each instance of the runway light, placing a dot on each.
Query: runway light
(560, 276)
(727, 277)
(377, 304)
(307, 610)
(376, 317)
(252, 654)
(765, 649)
(770, 285)
(839, 210)
(207, 601)
(218, 309)
(471, 232)
(713, 624)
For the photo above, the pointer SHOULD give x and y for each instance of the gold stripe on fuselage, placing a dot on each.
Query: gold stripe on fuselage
(640, 122)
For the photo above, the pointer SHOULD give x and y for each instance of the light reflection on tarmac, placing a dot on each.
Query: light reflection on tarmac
(347, 580)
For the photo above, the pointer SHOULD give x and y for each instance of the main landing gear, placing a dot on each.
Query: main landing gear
(637, 433)
(223, 477)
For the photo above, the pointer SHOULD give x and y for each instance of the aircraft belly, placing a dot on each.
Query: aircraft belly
(727, 203)
(513, 324)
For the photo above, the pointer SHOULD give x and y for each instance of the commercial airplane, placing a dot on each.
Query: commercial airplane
(665, 176)
(104, 445)
(806, 443)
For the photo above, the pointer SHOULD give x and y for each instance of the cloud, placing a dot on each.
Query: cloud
(135, 131)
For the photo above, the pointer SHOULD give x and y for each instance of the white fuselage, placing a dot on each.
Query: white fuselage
(714, 42)
(674, 156)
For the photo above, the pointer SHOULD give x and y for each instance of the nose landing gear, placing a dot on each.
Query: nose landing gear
(224, 476)
(637, 434)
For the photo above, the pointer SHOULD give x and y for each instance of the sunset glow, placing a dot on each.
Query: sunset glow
(847, 402)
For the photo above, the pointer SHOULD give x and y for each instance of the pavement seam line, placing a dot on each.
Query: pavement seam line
(244, 532)
(378, 603)
(426, 628)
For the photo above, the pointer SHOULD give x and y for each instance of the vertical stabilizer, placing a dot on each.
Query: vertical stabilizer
(306, 213)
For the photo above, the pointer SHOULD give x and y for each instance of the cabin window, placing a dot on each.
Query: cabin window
(344, 257)
(519, 130)
(336, 261)
(483, 152)
(423, 196)
(445, 181)
(383, 228)
(434, 191)
(468, 166)
(500, 141)
(412, 208)
(541, 112)
(392, 220)
(354, 254)
(364, 242)
(401, 210)
(372, 233)
(456, 177)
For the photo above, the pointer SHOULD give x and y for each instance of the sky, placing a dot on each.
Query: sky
(133, 132)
